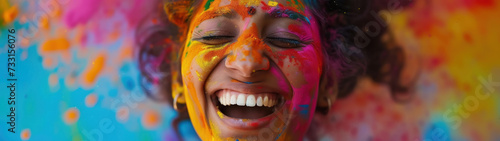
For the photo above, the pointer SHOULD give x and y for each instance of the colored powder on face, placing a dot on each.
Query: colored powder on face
(215, 10)
(248, 45)
(249, 3)
(272, 3)
(207, 5)
(287, 12)
(248, 39)
(266, 7)
(220, 114)
(298, 30)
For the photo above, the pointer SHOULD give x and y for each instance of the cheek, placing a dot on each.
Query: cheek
(301, 67)
(197, 57)
(197, 63)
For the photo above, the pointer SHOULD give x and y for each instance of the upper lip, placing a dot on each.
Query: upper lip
(248, 89)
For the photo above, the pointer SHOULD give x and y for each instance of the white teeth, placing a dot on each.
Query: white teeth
(227, 98)
(266, 101)
(259, 101)
(233, 99)
(221, 99)
(241, 100)
(251, 101)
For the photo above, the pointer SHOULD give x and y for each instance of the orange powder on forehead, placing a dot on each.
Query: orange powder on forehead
(215, 10)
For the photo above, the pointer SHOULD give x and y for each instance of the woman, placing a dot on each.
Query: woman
(258, 70)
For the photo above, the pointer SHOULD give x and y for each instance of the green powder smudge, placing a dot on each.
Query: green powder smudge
(207, 5)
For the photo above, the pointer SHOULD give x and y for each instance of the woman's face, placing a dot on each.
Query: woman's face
(251, 69)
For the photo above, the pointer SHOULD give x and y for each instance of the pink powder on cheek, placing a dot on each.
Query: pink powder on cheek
(283, 82)
(303, 65)
(304, 103)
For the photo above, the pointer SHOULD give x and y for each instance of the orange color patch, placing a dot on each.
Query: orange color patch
(90, 100)
(57, 44)
(150, 119)
(44, 22)
(71, 116)
(10, 14)
(94, 69)
(26, 134)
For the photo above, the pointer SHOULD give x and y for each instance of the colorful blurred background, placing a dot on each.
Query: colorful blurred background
(77, 78)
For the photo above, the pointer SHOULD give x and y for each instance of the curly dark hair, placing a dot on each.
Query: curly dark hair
(341, 21)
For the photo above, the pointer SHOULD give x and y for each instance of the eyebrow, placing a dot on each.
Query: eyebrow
(224, 11)
(213, 13)
(279, 12)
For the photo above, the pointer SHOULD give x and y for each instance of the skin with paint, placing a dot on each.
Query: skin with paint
(251, 69)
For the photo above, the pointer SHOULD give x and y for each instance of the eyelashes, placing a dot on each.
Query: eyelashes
(215, 40)
(280, 42)
(284, 42)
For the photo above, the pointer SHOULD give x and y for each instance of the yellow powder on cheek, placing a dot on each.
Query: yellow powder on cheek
(196, 112)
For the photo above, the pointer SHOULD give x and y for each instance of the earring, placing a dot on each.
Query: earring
(329, 105)
(323, 109)
(175, 103)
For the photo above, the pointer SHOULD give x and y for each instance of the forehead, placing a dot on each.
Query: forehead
(294, 5)
(293, 9)
(291, 3)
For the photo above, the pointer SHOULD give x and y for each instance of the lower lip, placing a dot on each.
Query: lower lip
(246, 123)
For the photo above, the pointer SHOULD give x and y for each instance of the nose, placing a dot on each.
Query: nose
(247, 59)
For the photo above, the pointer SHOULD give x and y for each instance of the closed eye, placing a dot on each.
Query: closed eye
(284, 42)
(215, 40)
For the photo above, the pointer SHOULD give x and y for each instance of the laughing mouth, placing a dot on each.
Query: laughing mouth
(246, 106)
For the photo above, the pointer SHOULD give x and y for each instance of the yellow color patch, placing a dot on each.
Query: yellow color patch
(272, 3)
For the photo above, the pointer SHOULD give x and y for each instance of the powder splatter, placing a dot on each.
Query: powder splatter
(90, 100)
(150, 119)
(122, 114)
(93, 69)
(25, 134)
(57, 44)
(71, 115)
(10, 14)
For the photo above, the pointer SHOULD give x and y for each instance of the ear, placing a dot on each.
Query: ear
(327, 93)
(175, 72)
(178, 93)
